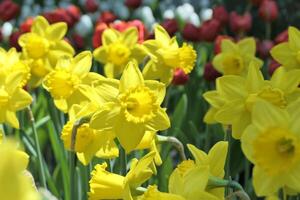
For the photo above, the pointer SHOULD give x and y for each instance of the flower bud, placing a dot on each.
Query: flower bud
(268, 10)
(8, 10)
(210, 30)
(58, 15)
(264, 47)
(107, 17)
(240, 23)
(273, 65)
(210, 74)
(282, 37)
(91, 5)
(190, 32)
(74, 12)
(26, 25)
(171, 26)
(220, 13)
(97, 36)
(133, 3)
(179, 77)
(218, 42)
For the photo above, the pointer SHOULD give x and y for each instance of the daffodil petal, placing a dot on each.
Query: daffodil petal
(131, 77)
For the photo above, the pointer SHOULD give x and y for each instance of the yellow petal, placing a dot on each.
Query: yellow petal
(232, 87)
(160, 122)
(217, 158)
(158, 88)
(130, 36)
(161, 35)
(201, 158)
(282, 53)
(100, 54)
(247, 46)
(230, 112)
(265, 185)
(131, 77)
(294, 38)
(12, 119)
(109, 36)
(138, 53)
(82, 63)
(61, 104)
(56, 31)
(20, 99)
(228, 46)
(239, 126)
(255, 79)
(39, 25)
(287, 81)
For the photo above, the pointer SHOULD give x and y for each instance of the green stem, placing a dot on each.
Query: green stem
(42, 176)
(268, 30)
(227, 165)
(175, 142)
(123, 162)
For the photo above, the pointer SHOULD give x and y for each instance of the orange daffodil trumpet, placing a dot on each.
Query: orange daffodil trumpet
(43, 46)
(117, 50)
(166, 56)
(134, 107)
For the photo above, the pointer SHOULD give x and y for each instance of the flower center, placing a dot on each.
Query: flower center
(118, 53)
(138, 104)
(62, 84)
(187, 57)
(273, 95)
(37, 46)
(276, 150)
(185, 166)
(233, 64)
(4, 97)
(38, 68)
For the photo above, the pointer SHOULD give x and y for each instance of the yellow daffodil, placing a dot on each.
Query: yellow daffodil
(272, 144)
(241, 93)
(166, 56)
(107, 185)
(235, 58)
(117, 50)
(66, 82)
(12, 98)
(88, 142)
(15, 184)
(43, 46)
(1, 136)
(288, 53)
(134, 107)
(190, 178)
(152, 193)
(10, 62)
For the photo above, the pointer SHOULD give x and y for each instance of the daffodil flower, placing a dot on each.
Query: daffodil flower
(152, 193)
(288, 53)
(190, 178)
(66, 82)
(12, 97)
(118, 49)
(166, 56)
(239, 94)
(11, 62)
(272, 144)
(43, 46)
(107, 185)
(88, 142)
(134, 107)
(14, 183)
(235, 58)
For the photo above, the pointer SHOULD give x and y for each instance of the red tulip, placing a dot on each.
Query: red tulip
(264, 47)
(91, 5)
(26, 25)
(74, 12)
(13, 40)
(282, 37)
(210, 30)
(97, 36)
(190, 32)
(220, 13)
(107, 17)
(171, 26)
(133, 3)
(268, 10)
(8, 10)
(78, 41)
(240, 23)
(179, 77)
(210, 74)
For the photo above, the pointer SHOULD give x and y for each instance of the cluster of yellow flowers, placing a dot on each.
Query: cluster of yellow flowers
(262, 114)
